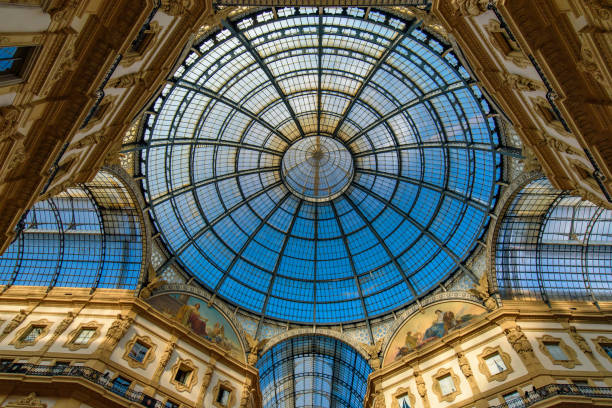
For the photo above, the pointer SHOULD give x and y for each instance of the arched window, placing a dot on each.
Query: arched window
(313, 371)
(88, 236)
(554, 246)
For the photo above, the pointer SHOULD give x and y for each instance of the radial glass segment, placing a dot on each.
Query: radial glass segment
(317, 168)
(320, 165)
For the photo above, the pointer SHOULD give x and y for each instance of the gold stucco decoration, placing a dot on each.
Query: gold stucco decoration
(481, 289)
(569, 352)
(31, 401)
(20, 337)
(255, 347)
(93, 325)
(437, 389)
(484, 368)
(471, 8)
(117, 330)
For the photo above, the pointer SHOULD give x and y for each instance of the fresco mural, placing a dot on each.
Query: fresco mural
(206, 322)
(433, 323)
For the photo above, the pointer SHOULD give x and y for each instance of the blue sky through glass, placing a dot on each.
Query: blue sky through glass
(423, 150)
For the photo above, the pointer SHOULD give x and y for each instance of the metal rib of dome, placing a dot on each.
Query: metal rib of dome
(416, 195)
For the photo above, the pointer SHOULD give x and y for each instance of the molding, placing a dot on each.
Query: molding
(18, 341)
(400, 393)
(149, 356)
(484, 368)
(72, 336)
(228, 386)
(193, 377)
(443, 372)
(572, 359)
(507, 47)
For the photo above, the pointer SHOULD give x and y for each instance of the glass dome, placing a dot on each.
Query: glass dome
(320, 165)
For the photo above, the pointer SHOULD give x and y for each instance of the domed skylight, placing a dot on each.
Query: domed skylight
(320, 166)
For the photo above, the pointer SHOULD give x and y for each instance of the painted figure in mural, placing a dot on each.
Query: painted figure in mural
(189, 315)
(445, 322)
(429, 325)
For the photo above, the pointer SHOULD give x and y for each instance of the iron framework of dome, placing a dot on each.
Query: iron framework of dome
(392, 209)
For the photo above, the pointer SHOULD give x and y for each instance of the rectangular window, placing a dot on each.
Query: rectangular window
(447, 386)
(84, 336)
(514, 400)
(13, 62)
(555, 351)
(403, 402)
(120, 385)
(607, 348)
(170, 404)
(223, 396)
(32, 334)
(138, 352)
(495, 364)
(182, 375)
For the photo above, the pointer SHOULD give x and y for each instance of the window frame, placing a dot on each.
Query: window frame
(74, 335)
(569, 352)
(186, 365)
(224, 385)
(148, 357)
(437, 387)
(29, 53)
(402, 393)
(19, 339)
(601, 342)
(484, 367)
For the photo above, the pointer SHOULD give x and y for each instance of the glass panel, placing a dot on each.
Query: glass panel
(447, 385)
(84, 336)
(556, 352)
(313, 371)
(33, 334)
(552, 246)
(403, 402)
(138, 352)
(88, 236)
(495, 364)
(307, 170)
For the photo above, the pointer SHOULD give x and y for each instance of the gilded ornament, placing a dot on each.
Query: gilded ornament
(420, 383)
(519, 342)
(481, 290)
(15, 321)
(464, 365)
(471, 8)
(601, 8)
(255, 346)
(379, 400)
(31, 401)
(521, 83)
(206, 379)
(117, 330)
(9, 118)
(373, 351)
(588, 64)
(176, 8)
(154, 283)
(579, 340)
